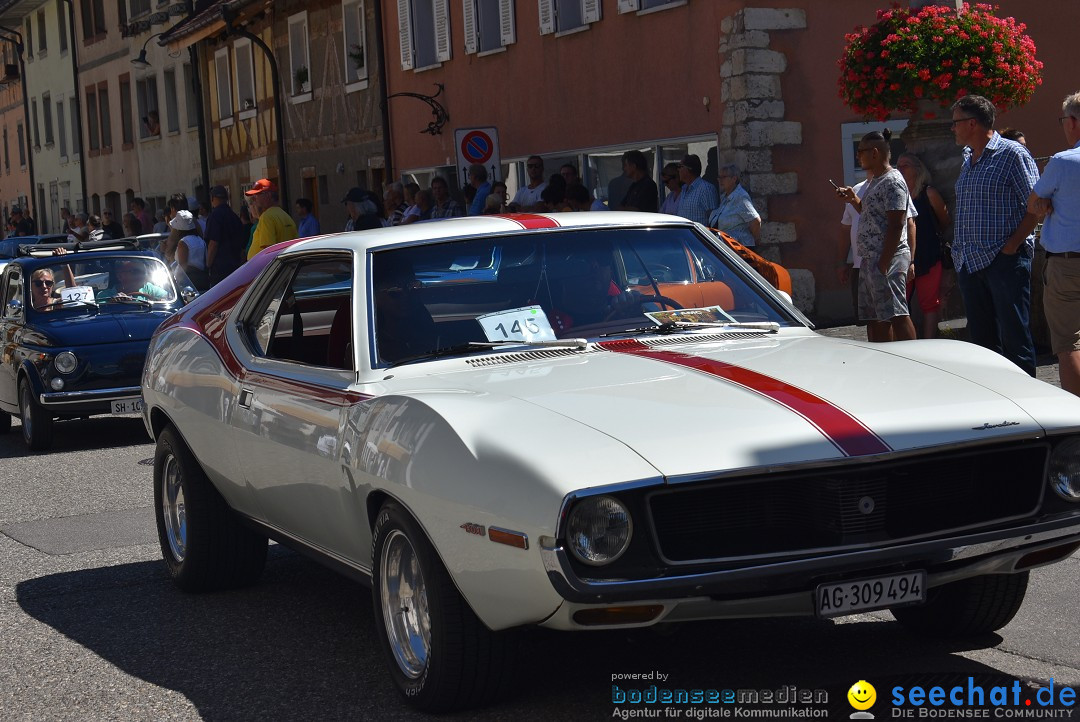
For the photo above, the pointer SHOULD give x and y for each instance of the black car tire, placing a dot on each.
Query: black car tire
(968, 608)
(205, 544)
(467, 665)
(37, 424)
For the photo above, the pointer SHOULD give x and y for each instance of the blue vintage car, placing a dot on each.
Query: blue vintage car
(74, 330)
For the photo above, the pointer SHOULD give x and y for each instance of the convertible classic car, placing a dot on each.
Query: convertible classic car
(506, 421)
(74, 331)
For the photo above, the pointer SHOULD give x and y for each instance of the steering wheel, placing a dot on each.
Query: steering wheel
(640, 301)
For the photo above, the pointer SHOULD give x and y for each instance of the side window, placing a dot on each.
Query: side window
(12, 291)
(306, 316)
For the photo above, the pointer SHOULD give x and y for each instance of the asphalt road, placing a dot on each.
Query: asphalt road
(92, 629)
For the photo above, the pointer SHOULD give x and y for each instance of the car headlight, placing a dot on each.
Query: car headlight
(1064, 474)
(65, 362)
(598, 530)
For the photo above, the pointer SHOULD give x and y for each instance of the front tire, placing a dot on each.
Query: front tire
(968, 608)
(37, 424)
(205, 545)
(440, 655)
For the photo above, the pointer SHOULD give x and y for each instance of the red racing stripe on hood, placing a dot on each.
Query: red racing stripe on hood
(848, 434)
(531, 220)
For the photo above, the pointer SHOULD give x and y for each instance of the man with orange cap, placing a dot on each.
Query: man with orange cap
(275, 225)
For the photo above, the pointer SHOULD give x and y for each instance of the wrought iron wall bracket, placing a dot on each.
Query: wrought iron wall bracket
(441, 116)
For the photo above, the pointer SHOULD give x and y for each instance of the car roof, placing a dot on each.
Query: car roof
(452, 228)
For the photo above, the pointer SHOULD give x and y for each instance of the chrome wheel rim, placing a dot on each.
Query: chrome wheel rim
(173, 510)
(405, 605)
(27, 420)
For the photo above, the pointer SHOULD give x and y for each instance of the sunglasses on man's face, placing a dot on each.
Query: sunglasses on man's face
(43, 283)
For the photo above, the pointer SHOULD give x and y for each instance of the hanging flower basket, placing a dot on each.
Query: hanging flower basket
(937, 54)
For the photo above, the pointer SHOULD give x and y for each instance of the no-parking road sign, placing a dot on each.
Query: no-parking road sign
(478, 145)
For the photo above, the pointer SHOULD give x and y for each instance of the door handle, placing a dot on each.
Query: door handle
(245, 398)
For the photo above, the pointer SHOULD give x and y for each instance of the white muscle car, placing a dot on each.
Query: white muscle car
(589, 421)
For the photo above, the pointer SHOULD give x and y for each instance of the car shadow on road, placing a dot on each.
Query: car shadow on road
(99, 432)
(301, 645)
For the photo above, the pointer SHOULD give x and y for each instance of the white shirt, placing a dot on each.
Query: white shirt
(526, 196)
(196, 251)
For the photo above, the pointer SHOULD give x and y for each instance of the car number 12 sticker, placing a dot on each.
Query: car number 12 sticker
(526, 324)
(77, 294)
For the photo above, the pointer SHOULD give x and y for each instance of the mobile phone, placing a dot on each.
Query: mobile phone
(834, 184)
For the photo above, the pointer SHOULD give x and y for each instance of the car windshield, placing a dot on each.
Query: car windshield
(560, 285)
(113, 282)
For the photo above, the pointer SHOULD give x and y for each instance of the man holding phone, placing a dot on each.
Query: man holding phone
(882, 243)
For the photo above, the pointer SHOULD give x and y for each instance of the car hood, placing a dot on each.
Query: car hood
(100, 328)
(691, 408)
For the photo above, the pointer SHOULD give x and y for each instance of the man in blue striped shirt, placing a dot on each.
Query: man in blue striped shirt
(993, 242)
(698, 197)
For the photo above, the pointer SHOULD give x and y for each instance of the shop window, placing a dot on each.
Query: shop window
(424, 33)
(852, 132)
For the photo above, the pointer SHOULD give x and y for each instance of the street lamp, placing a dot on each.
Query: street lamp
(141, 62)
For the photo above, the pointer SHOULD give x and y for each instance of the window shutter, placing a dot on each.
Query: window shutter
(507, 31)
(405, 34)
(547, 16)
(441, 11)
(469, 25)
(629, 6)
(590, 11)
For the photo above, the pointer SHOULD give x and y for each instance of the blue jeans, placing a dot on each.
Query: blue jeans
(998, 303)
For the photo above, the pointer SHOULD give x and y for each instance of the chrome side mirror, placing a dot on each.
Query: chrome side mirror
(189, 294)
(15, 307)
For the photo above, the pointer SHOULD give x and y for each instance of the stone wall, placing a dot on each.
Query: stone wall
(754, 122)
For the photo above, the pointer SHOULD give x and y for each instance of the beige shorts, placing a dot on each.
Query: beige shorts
(1061, 302)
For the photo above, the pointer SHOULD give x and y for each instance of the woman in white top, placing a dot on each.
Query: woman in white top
(191, 249)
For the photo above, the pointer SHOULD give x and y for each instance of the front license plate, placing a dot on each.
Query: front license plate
(127, 406)
(832, 600)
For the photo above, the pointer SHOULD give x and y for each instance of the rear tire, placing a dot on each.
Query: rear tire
(204, 543)
(37, 424)
(440, 655)
(968, 608)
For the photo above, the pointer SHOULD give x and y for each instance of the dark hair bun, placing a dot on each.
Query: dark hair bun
(886, 134)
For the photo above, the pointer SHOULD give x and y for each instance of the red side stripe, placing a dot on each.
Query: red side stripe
(847, 433)
(531, 221)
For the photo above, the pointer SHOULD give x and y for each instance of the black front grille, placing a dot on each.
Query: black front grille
(847, 506)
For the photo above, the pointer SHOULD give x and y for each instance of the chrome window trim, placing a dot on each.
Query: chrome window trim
(89, 397)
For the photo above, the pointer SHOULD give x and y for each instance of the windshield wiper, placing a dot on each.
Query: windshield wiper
(680, 326)
(464, 348)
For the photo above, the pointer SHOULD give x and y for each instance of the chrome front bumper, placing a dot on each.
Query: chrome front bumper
(64, 398)
(788, 584)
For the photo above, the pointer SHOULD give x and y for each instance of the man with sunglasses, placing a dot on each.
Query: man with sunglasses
(131, 282)
(526, 198)
(1057, 197)
(993, 243)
